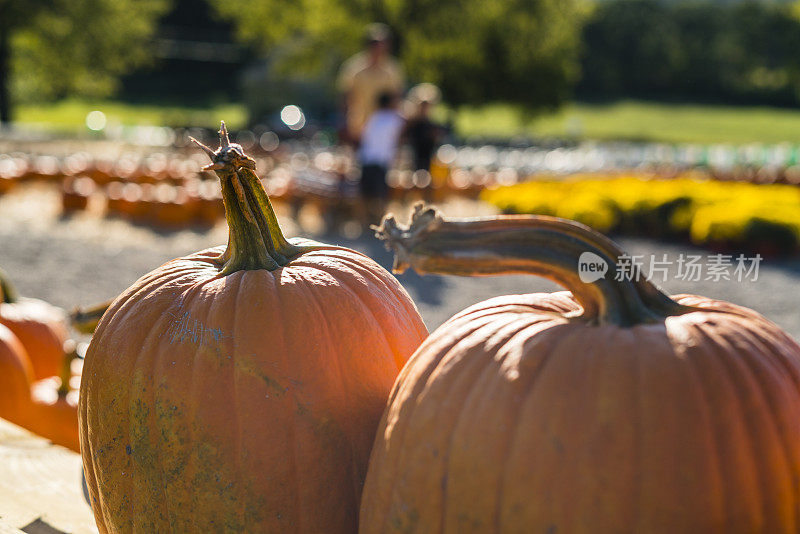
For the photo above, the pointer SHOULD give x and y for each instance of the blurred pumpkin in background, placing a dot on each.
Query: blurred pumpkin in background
(46, 407)
(40, 326)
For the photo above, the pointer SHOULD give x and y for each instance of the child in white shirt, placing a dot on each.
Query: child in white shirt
(379, 143)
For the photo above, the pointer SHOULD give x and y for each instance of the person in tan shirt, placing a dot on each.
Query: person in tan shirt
(367, 75)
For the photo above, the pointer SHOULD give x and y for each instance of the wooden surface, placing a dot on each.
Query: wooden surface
(40, 486)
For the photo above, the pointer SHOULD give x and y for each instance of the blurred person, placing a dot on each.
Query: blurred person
(364, 77)
(421, 133)
(423, 136)
(379, 143)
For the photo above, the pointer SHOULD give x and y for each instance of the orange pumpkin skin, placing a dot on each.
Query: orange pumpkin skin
(42, 329)
(37, 407)
(246, 402)
(15, 379)
(512, 418)
(55, 415)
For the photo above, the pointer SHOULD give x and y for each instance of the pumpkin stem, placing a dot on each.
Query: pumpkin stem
(8, 293)
(70, 354)
(85, 320)
(525, 244)
(255, 239)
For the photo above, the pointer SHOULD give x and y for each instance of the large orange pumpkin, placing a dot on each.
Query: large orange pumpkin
(239, 389)
(40, 326)
(609, 409)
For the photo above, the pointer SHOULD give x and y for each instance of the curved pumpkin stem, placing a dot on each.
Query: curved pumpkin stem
(255, 239)
(546, 246)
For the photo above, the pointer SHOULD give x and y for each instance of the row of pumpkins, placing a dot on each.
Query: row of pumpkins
(171, 191)
(197, 201)
(278, 385)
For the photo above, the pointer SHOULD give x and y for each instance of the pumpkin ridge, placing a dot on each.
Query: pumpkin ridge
(627, 338)
(145, 353)
(704, 364)
(478, 311)
(292, 428)
(777, 345)
(463, 383)
(186, 298)
(501, 479)
(367, 305)
(525, 402)
(421, 387)
(592, 364)
(705, 406)
(89, 467)
(765, 393)
(157, 362)
(471, 404)
(346, 399)
(637, 419)
(196, 391)
(745, 447)
(763, 430)
(521, 330)
(744, 437)
(235, 399)
(194, 359)
(542, 327)
(133, 295)
(397, 290)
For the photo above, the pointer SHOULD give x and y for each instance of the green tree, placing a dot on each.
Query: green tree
(631, 47)
(725, 52)
(54, 48)
(519, 51)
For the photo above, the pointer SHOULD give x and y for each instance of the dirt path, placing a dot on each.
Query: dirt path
(85, 259)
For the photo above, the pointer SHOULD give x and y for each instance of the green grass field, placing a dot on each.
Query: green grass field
(632, 120)
(637, 120)
(70, 115)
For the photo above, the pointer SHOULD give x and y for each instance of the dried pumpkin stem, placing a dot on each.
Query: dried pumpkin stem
(544, 246)
(255, 239)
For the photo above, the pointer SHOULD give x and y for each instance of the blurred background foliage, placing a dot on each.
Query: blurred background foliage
(519, 51)
(531, 55)
(731, 52)
(56, 48)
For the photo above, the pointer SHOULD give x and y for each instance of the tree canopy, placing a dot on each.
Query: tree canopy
(701, 50)
(477, 51)
(58, 47)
